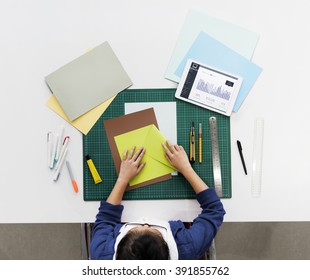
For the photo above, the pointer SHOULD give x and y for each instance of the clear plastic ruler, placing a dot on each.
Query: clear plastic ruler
(257, 157)
(215, 157)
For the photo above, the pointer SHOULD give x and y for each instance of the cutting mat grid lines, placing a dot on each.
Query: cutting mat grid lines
(95, 144)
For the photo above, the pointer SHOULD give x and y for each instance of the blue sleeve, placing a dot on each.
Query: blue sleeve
(193, 242)
(105, 231)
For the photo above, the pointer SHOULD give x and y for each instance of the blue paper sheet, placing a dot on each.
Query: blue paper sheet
(238, 38)
(208, 50)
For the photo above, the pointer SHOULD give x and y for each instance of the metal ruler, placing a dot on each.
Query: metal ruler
(257, 157)
(215, 157)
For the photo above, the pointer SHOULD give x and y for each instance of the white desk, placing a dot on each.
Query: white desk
(37, 37)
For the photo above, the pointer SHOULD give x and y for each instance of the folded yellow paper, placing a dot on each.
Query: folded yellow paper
(150, 138)
(85, 122)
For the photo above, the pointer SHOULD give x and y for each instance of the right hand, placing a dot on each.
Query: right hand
(177, 157)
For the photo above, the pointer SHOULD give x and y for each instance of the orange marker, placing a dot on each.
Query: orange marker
(74, 184)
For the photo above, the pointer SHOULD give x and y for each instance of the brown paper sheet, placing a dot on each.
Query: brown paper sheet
(126, 123)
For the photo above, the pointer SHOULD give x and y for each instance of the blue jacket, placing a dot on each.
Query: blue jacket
(191, 242)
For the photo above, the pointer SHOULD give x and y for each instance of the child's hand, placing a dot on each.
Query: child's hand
(178, 158)
(131, 164)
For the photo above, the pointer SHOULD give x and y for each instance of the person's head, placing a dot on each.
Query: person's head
(142, 243)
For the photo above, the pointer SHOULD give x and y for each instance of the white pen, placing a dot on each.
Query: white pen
(63, 148)
(49, 148)
(59, 167)
(59, 143)
(53, 152)
(74, 184)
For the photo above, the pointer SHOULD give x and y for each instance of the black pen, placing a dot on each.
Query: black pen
(192, 152)
(241, 155)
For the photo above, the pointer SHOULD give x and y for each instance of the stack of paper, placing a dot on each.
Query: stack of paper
(218, 44)
(87, 83)
(139, 129)
(150, 138)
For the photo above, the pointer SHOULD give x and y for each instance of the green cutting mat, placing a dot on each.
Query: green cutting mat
(95, 144)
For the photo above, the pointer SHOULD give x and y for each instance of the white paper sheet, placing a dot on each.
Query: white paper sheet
(166, 115)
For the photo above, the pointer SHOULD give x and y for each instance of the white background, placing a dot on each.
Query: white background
(37, 37)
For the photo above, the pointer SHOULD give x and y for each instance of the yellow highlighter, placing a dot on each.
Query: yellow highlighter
(93, 170)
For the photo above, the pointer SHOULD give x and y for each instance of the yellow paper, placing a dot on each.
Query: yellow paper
(150, 138)
(85, 122)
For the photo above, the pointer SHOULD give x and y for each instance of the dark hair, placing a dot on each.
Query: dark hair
(142, 246)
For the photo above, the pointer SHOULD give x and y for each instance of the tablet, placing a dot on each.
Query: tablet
(208, 87)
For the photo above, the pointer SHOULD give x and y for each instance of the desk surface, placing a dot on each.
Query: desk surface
(37, 38)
